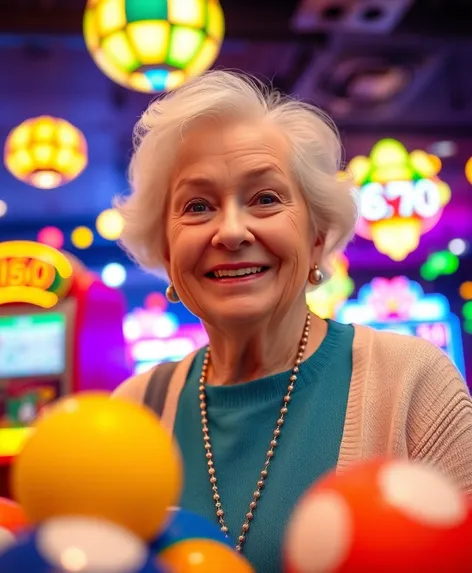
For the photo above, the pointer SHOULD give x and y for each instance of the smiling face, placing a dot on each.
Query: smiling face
(240, 242)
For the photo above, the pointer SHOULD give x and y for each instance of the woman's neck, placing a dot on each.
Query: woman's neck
(245, 354)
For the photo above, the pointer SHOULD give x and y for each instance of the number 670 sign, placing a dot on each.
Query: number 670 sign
(405, 199)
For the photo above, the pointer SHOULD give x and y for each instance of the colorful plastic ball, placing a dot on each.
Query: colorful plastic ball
(203, 556)
(13, 521)
(388, 516)
(184, 524)
(94, 456)
(78, 545)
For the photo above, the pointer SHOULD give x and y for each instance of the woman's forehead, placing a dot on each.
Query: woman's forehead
(253, 147)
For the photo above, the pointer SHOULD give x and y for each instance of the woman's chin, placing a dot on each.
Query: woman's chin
(239, 310)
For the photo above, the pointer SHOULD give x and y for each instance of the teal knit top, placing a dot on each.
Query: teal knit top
(241, 421)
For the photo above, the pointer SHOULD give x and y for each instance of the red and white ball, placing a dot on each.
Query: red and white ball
(389, 516)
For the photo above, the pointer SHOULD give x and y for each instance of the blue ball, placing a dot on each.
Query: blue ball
(58, 541)
(185, 524)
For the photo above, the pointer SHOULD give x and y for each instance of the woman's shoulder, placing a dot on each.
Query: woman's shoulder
(134, 388)
(397, 349)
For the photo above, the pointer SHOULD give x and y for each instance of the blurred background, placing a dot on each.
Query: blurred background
(394, 75)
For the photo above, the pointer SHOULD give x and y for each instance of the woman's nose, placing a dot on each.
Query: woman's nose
(232, 231)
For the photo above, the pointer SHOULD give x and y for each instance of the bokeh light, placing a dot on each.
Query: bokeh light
(440, 263)
(458, 246)
(468, 170)
(3, 208)
(45, 152)
(156, 301)
(82, 237)
(114, 275)
(51, 236)
(110, 224)
(153, 45)
(444, 149)
(465, 290)
(467, 310)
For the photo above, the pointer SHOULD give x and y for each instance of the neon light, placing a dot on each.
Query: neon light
(33, 273)
(401, 196)
(401, 306)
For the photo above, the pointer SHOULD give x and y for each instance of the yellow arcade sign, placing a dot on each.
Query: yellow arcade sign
(33, 273)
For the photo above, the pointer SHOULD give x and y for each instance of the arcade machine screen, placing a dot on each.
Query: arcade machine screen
(400, 305)
(33, 371)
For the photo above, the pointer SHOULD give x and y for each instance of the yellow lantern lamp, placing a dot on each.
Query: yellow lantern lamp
(153, 45)
(45, 152)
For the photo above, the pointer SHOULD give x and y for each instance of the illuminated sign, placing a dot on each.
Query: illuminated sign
(328, 297)
(400, 305)
(401, 196)
(155, 336)
(33, 273)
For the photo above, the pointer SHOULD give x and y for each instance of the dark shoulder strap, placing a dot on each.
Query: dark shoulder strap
(157, 386)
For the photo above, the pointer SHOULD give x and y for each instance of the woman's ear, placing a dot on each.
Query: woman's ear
(317, 250)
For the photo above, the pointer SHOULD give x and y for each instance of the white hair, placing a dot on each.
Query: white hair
(315, 154)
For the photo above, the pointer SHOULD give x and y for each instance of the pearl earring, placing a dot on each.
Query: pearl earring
(171, 293)
(315, 277)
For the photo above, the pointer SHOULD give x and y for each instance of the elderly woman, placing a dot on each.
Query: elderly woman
(236, 195)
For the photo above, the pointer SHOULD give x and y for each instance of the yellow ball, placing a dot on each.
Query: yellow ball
(97, 457)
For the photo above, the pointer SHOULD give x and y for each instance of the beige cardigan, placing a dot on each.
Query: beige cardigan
(406, 399)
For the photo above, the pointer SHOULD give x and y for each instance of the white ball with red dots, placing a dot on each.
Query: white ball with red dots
(381, 516)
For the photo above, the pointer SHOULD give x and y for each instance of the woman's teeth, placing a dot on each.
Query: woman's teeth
(236, 272)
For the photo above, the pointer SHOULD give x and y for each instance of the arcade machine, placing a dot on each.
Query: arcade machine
(401, 306)
(61, 331)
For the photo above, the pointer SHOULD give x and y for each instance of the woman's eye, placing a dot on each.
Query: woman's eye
(266, 198)
(196, 207)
